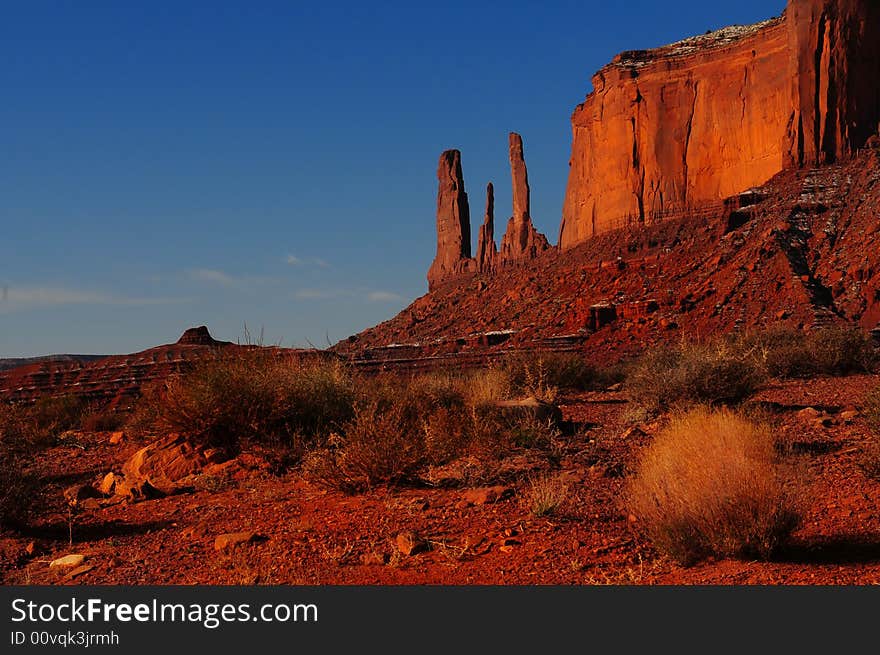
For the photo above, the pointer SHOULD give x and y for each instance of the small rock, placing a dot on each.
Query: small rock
(77, 493)
(634, 432)
(486, 495)
(531, 407)
(374, 559)
(117, 438)
(848, 415)
(108, 484)
(809, 414)
(68, 560)
(232, 539)
(409, 543)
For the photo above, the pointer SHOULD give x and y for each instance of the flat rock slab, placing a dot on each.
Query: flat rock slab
(68, 560)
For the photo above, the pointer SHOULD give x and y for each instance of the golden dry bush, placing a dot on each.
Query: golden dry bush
(713, 484)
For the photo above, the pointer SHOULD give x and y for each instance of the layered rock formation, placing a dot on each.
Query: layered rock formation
(521, 241)
(677, 129)
(453, 221)
(486, 250)
(116, 380)
(800, 251)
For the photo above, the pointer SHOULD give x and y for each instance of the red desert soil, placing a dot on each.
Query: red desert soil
(312, 536)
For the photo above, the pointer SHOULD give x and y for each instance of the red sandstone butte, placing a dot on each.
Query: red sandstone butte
(681, 127)
(453, 221)
(521, 241)
(486, 250)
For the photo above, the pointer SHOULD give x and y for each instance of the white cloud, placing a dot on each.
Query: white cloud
(383, 296)
(369, 296)
(293, 260)
(213, 276)
(14, 298)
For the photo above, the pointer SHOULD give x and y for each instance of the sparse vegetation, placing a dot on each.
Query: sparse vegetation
(257, 395)
(16, 488)
(690, 373)
(869, 459)
(787, 353)
(548, 371)
(31, 426)
(548, 494)
(713, 484)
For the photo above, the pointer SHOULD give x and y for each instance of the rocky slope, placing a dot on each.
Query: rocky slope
(682, 127)
(801, 251)
(115, 379)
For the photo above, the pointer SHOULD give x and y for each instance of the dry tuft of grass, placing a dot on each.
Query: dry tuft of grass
(713, 484)
(548, 494)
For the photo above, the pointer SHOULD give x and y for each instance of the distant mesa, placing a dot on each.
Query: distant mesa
(198, 336)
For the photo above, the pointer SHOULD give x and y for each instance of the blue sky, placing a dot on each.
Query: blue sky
(167, 164)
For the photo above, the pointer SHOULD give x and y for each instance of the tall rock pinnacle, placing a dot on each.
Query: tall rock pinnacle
(521, 240)
(486, 250)
(453, 221)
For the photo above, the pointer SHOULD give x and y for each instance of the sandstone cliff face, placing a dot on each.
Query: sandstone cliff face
(835, 65)
(680, 128)
(453, 221)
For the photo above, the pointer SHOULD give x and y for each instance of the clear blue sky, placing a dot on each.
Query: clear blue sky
(166, 164)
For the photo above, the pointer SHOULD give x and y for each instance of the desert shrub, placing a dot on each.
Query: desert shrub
(713, 484)
(485, 387)
(446, 435)
(531, 432)
(570, 371)
(548, 494)
(16, 489)
(692, 373)
(143, 419)
(378, 446)
(869, 459)
(257, 395)
(98, 420)
(787, 353)
(38, 425)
